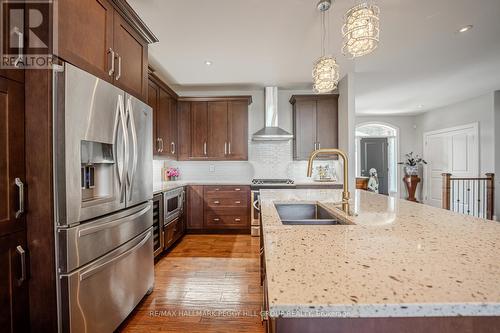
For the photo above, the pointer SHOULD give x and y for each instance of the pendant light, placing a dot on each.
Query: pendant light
(361, 30)
(325, 70)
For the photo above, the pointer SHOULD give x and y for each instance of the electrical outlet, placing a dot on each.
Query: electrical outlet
(211, 168)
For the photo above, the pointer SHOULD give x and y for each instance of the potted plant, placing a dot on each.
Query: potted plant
(411, 164)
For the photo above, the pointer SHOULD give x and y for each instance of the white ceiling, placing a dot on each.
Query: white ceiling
(421, 60)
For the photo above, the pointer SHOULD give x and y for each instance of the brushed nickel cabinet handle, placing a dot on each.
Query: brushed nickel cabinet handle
(173, 147)
(237, 219)
(20, 186)
(112, 69)
(216, 220)
(158, 145)
(229, 148)
(237, 189)
(216, 202)
(319, 145)
(22, 255)
(237, 202)
(20, 45)
(225, 148)
(119, 75)
(205, 148)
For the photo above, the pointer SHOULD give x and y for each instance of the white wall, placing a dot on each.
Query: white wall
(347, 126)
(497, 154)
(265, 159)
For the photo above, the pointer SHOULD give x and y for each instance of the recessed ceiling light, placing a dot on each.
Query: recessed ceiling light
(465, 28)
(208, 63)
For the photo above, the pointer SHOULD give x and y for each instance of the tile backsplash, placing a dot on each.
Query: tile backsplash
(265, 160)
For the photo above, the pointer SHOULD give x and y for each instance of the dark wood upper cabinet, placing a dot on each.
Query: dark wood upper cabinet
(164, 120)
(213, 128)
(199, 130)
(315, 124)
(153, 98)
(237, 112)
(12, 162)
(95, 36)
(85, 31)
(131, 58)
(163, 100)
(184, 130)
(217, 130)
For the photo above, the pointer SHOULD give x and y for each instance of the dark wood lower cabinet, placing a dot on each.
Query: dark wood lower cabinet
(214, 208)
(14, 313)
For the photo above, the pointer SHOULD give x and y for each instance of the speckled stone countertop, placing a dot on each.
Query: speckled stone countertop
(394, 259)
(170, 185)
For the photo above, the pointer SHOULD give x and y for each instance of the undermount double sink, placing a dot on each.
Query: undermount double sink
(306, 214)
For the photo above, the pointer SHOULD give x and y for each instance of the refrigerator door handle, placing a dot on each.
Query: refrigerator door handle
(125, 146)
(118, 121)
(130, 115)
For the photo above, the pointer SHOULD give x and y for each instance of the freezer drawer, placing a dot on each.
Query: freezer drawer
(88, 241)
(99, 296)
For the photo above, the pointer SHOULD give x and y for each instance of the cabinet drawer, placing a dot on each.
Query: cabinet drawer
(226, 221)
(223, 201)
(226, 188)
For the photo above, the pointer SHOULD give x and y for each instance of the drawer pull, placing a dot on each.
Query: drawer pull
(216, 220)
(216, 202)
(237, 189)
(237, 219)
(237, 202)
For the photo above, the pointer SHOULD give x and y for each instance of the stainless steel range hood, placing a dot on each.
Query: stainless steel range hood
(271, 131)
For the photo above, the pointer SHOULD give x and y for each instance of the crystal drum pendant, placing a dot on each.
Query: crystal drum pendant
(325, 75)
(361, 30)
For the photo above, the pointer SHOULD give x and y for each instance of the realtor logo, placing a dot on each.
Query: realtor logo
(27, 34)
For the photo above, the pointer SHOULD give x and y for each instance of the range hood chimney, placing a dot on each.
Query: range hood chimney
(271, 131)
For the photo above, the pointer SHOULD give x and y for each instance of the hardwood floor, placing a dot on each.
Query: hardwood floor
(207, 283)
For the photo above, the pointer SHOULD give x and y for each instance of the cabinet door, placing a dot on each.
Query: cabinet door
(164, 122)
(217, 130)
(12, 163)
(85, 32)
(184, 130)
(305, 128)
(131, 59)
(195, 207)
(13, 284)
(153, 97)
(173, 128)
(237, 130)
(199, 130)
(327, 123)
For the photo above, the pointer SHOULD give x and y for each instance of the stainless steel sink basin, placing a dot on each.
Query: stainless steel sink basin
(305, 214)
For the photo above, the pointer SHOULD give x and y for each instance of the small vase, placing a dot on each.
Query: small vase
(411, 170)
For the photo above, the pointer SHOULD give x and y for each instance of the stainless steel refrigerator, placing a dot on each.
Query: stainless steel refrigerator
(103, 201)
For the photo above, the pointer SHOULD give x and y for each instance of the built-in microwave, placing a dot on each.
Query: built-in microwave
(173, 204)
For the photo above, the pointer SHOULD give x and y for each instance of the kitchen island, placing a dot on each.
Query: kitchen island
(395, 266)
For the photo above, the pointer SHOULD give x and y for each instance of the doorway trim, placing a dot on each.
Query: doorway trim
(397, 150)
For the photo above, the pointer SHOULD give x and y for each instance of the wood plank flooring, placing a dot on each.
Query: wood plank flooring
(207, 283)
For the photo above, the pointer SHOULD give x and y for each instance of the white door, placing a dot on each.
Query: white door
(450, 150)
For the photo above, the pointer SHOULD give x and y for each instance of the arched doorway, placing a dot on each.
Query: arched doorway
(377, 146)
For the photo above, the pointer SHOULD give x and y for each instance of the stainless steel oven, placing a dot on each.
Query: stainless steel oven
(173, 204)
(257, 185)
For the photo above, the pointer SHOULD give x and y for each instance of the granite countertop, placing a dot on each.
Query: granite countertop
(170, 185)
(394, 259)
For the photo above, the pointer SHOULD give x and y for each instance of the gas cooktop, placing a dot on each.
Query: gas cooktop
(272, 182)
